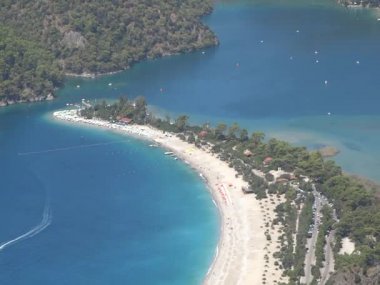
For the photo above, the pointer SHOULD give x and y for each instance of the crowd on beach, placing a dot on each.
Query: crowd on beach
(141, 131)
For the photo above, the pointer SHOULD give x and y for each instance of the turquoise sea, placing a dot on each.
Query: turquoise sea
(85, 206)
(117, 211)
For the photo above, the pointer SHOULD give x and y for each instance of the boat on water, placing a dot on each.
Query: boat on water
(153, 145)
(169, 153)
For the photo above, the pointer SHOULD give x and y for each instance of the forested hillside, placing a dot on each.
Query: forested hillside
(364, 3)
(28, 72)
(91, 37)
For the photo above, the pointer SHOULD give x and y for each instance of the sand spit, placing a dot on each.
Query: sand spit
(244, 254)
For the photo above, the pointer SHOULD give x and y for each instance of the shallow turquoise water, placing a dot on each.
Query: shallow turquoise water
(121, 211)
(124, 213)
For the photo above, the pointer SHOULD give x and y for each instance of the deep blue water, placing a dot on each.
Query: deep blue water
(123, 213)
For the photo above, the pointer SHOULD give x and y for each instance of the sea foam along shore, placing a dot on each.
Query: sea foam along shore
(243, 255)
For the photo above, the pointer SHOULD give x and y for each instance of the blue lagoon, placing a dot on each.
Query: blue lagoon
(119, 211)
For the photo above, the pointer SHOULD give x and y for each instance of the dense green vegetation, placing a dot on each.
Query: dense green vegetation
(305, 220)
(124, 108)
(48, 38)
(357, 208)
(287, 216)
(359, 214)
(292, 253)
(27, 70)
(364, 3)
(327, 222)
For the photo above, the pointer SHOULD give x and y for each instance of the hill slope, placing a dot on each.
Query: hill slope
(96, 37)
(363, 3)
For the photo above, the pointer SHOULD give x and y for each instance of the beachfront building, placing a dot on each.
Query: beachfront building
(125, 120)
(267, 161)
(248, 153)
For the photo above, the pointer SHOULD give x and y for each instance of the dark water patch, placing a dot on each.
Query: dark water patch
(316, 146)
(352, 146)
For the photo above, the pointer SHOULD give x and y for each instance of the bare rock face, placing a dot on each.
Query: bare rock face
(49, 97)
(73, 39)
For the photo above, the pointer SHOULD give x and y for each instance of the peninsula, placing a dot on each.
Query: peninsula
(243, 251)
(288, 216)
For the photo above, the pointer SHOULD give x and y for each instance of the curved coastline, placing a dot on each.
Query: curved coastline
(243, 254)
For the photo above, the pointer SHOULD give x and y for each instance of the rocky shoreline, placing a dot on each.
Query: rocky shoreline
(8, 102)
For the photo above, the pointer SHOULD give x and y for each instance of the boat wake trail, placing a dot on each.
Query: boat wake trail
(45, 222)
(70, 148)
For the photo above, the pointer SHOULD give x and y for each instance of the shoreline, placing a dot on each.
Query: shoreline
(243, 254)
(93, 75)
(6, 102)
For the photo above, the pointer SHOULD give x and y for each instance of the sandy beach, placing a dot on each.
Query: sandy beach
(244, 254)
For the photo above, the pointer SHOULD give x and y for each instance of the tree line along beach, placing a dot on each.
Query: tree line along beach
(264, 234)
(288, 214)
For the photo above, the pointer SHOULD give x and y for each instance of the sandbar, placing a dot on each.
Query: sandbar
(243, 255)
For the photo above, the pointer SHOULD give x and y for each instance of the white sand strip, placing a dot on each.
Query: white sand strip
(240, 255)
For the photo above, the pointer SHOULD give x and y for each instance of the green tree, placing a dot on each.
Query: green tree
(191, 138)
(233, 130)
(140, 110)
(181, 123)
(257, 138)
(243, 136)
(220, 131)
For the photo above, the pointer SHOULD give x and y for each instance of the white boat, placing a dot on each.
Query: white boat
(169, 153)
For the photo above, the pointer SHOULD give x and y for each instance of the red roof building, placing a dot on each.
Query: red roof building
(267, 160)
(202, 134)
(125, 120)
